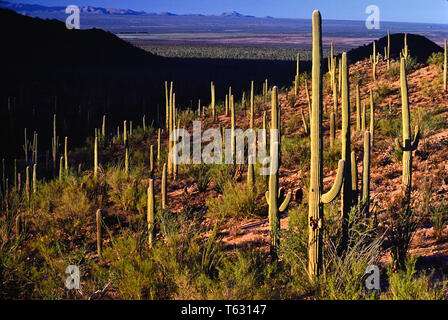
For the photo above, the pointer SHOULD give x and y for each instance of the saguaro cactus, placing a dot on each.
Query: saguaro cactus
(354, 178)
(164, 188)
(405, 52)
(158, 145)
(34, 178)
(372, 118)
(151, 159)
(250, 173)
(99, 233)
(374, 59)
(316, 198)
(95, 158)
(151, 213)
(66, 155)
(366, 173)
(332, 129)
(387, 53)
(232, 121)
(347, 191)
(252, 110)
(212, 87)
(273, 194)
(445, 68)
(358, 109)
(103, 127)
(296, 79)
(408, 146)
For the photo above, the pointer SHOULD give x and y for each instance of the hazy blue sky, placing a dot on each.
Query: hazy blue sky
(431, 11)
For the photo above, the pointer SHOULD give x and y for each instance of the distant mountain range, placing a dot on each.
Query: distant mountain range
(32, 9)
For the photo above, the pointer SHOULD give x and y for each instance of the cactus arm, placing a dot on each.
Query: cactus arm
(285, 202)
(267, 196)
(334, 191)
(398, 145)
(416, 140)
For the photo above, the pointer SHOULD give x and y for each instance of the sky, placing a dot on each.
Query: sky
(427, 11)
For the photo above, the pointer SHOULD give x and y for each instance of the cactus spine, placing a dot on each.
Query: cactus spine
(408, 146)
(316, 198)
(273, 194)
(151, 213)
(164, 189)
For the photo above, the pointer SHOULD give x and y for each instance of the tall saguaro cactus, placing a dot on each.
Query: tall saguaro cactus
(358, 109)
(296, 79)
(387, 57)
(151, 213)
(273, 195)
(366, 172)
(212, 87)
(405, 52)
(445, 68)
(347, 191)
(99, 233)
(252, 110)
(316, 198)
(95, 158)
(374, 58)
(372, 118)
(164, 187)
(408, 146)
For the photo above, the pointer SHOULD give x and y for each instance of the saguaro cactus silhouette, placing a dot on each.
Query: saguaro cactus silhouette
(316, 198)
(408, 146)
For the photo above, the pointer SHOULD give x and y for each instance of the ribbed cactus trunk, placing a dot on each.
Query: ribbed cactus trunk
(66, 155)
(34, 178)
(374, 58)
(99, 233)
(273, 193)
(103, 127)
(227, 105)
(250, 174)
(27, 184)
(332, 129)
(363, 116)
(151, 160)
(347, 190)
(151, 210)
(388, 50)
(445, 65)
(164, 187)
(316, 198)
(212, 87)
(372, 119)
(335, 87)
(366, 173)
(354, 178)
(358, 109)
(405, 52)
(95, 158)
(167, 106)
(61, 164)
(408, 146)
(296, 79)
(306, 129)
(308, 99)
(232, 122)
(252, 109)
(159, 133)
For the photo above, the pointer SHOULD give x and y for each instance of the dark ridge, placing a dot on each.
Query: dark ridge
(419, 47)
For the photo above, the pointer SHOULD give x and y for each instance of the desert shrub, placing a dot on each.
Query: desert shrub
(220, 174)
(200, 173)
(357, 78)
(394, 70)
(406, 285)
(429, 89)
(429, 120)
(389, 127)
(292, 124)
(295, 152)
(436, 59)
(125, 190)
(239, 201)
(383, 89)
(439, 218)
